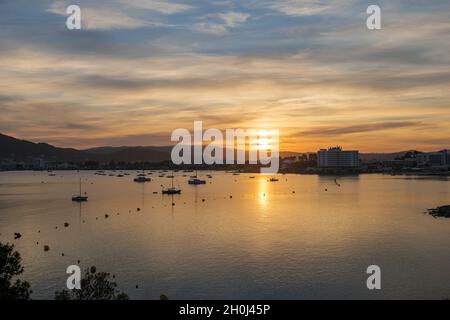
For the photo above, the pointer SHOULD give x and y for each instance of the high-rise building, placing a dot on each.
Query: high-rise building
(337, 158)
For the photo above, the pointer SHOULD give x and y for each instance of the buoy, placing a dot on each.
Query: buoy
(66, 224)
(46, 248)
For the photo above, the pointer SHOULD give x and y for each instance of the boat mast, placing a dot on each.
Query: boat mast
(80, 187)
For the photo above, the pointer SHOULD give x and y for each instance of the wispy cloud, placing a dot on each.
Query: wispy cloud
(120, 14)
(221, 23)
(298, 8)
(369, 127)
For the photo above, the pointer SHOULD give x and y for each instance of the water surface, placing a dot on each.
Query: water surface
(303, 237)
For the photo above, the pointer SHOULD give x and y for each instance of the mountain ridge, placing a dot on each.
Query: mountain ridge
(16, 149)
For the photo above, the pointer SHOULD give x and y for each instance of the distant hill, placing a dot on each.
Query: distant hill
(15, 149)
(147, 154)
(22, 150)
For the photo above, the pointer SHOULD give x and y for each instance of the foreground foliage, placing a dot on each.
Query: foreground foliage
(11, 268)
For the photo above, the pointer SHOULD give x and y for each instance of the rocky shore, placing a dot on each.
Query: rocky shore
(443, 211)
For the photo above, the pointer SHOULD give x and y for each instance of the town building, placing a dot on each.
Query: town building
(337, 158)
(434, 159)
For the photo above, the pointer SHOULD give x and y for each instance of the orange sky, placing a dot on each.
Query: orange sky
(319, 76)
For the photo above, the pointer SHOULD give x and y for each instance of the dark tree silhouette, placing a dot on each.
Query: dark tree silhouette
(11, 267)
(94, 286)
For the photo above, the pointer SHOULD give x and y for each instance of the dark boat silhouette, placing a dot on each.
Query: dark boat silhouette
(80, 198)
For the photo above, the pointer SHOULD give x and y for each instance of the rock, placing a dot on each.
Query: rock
(66, 224)
(106, 216)
(442, 211)
(46, 248)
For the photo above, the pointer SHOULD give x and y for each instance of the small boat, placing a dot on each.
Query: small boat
(251, 177)
(195, 180)
(273, 180)
(141, 179)
(209, 176)
(80, 198)
(171, 190)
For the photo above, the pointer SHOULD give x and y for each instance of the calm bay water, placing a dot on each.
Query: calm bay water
(264, 242)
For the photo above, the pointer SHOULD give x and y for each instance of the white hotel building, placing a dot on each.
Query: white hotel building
(337, 158)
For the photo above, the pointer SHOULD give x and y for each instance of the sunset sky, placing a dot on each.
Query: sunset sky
(140, 69)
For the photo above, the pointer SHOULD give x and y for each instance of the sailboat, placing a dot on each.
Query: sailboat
(195, 180)
(171, 190)
(80, 198)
